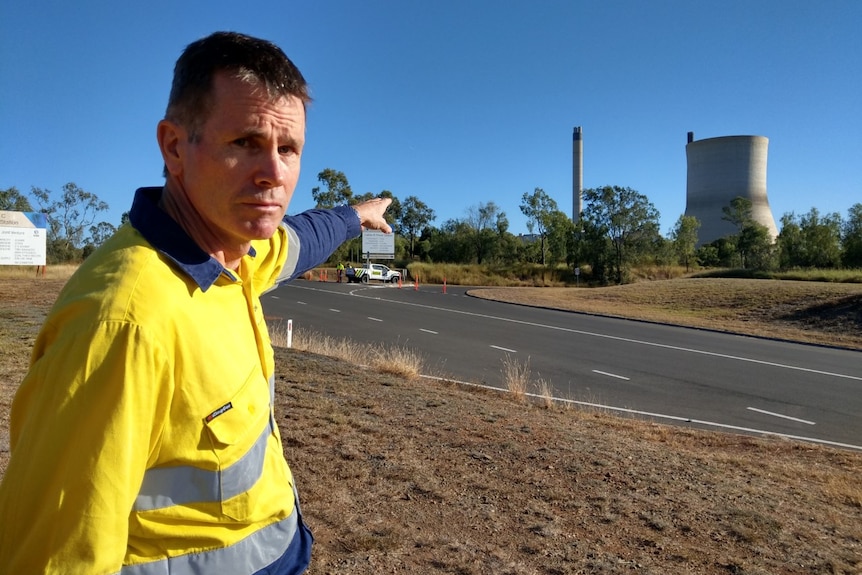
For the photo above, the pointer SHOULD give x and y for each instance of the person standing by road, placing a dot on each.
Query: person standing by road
(339, 271)
(143, 435)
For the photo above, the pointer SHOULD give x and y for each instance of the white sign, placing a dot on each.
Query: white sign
(378, 244)
(22, 238)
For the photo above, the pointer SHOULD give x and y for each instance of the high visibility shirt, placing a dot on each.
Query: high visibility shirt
(143, 436)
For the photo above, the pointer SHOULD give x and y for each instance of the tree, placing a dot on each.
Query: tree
(738, 212)
(718, 253)
(626, 218)
(510, 250)
(791, 248)
(337, 190)
(662, 252)
(851, 238)
(561, 236)
(11, 200)
(753, 242)
(451, 242)
(755, 246)
(810, 241)
(822, 235)
(415, 215)
(68, 219)
(684, 238)
(537, 207)
(100, 232)
(595, 248)
(484, 221)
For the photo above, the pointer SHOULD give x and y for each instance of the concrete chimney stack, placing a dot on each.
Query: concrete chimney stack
(577, 173)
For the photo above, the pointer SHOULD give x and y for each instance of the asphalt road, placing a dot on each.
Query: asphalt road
(677, 375)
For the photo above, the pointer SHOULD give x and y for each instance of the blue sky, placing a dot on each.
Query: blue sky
(457, 102)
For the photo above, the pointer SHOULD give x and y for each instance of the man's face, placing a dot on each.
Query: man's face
(240, 172)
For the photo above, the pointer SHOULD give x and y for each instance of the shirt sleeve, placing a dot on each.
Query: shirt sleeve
(313, 235)
(84, 425)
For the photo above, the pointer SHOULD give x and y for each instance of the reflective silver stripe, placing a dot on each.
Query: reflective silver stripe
(272, 423)
(272, 392)
(247, 556)
(293, 249)
(166, 486)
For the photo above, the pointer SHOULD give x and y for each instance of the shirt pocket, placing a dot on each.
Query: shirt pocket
(239, 430)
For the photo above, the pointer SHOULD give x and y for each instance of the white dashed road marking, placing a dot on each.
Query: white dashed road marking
(610, 374)
(504, 349)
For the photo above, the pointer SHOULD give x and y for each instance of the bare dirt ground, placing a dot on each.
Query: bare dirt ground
(419, 476)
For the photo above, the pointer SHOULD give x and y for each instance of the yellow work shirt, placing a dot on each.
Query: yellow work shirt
(143, 438)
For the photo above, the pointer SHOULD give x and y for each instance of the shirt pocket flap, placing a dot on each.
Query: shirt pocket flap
(231, 422)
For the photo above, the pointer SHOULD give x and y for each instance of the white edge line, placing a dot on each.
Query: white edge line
(374, 318)
(621, 409)
(610, 337)
(781, 416)
(428, 331)
(660, 415)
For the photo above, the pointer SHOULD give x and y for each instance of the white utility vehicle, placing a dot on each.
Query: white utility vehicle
(373, 272)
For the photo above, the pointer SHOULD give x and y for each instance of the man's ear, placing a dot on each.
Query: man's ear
(171, 137)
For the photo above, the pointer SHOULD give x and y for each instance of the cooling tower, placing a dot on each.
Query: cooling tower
(720, 170)
(577, 174)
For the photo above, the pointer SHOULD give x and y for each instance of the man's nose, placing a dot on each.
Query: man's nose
(271, 170)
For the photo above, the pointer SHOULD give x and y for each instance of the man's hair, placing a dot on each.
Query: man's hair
(250, 59)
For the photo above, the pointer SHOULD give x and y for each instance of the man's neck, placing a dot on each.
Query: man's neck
(174, 202)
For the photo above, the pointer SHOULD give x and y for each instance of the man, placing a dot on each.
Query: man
(339, 271)
(143, 436)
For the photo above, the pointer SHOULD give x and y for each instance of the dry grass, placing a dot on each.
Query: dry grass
(404, 475)
(475, 275)
(813, 312)
(545, 392)
(396, 360)
(407, 477)
(61, 271)
(516, 376)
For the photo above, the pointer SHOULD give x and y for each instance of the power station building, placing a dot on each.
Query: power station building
(720, 170)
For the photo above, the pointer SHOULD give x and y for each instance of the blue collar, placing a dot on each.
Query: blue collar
(166, 235)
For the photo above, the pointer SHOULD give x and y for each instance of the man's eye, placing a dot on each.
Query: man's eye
(286, 150)
(241, 142)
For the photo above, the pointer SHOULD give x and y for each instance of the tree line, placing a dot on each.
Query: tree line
(618, 231)
(73, 232)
